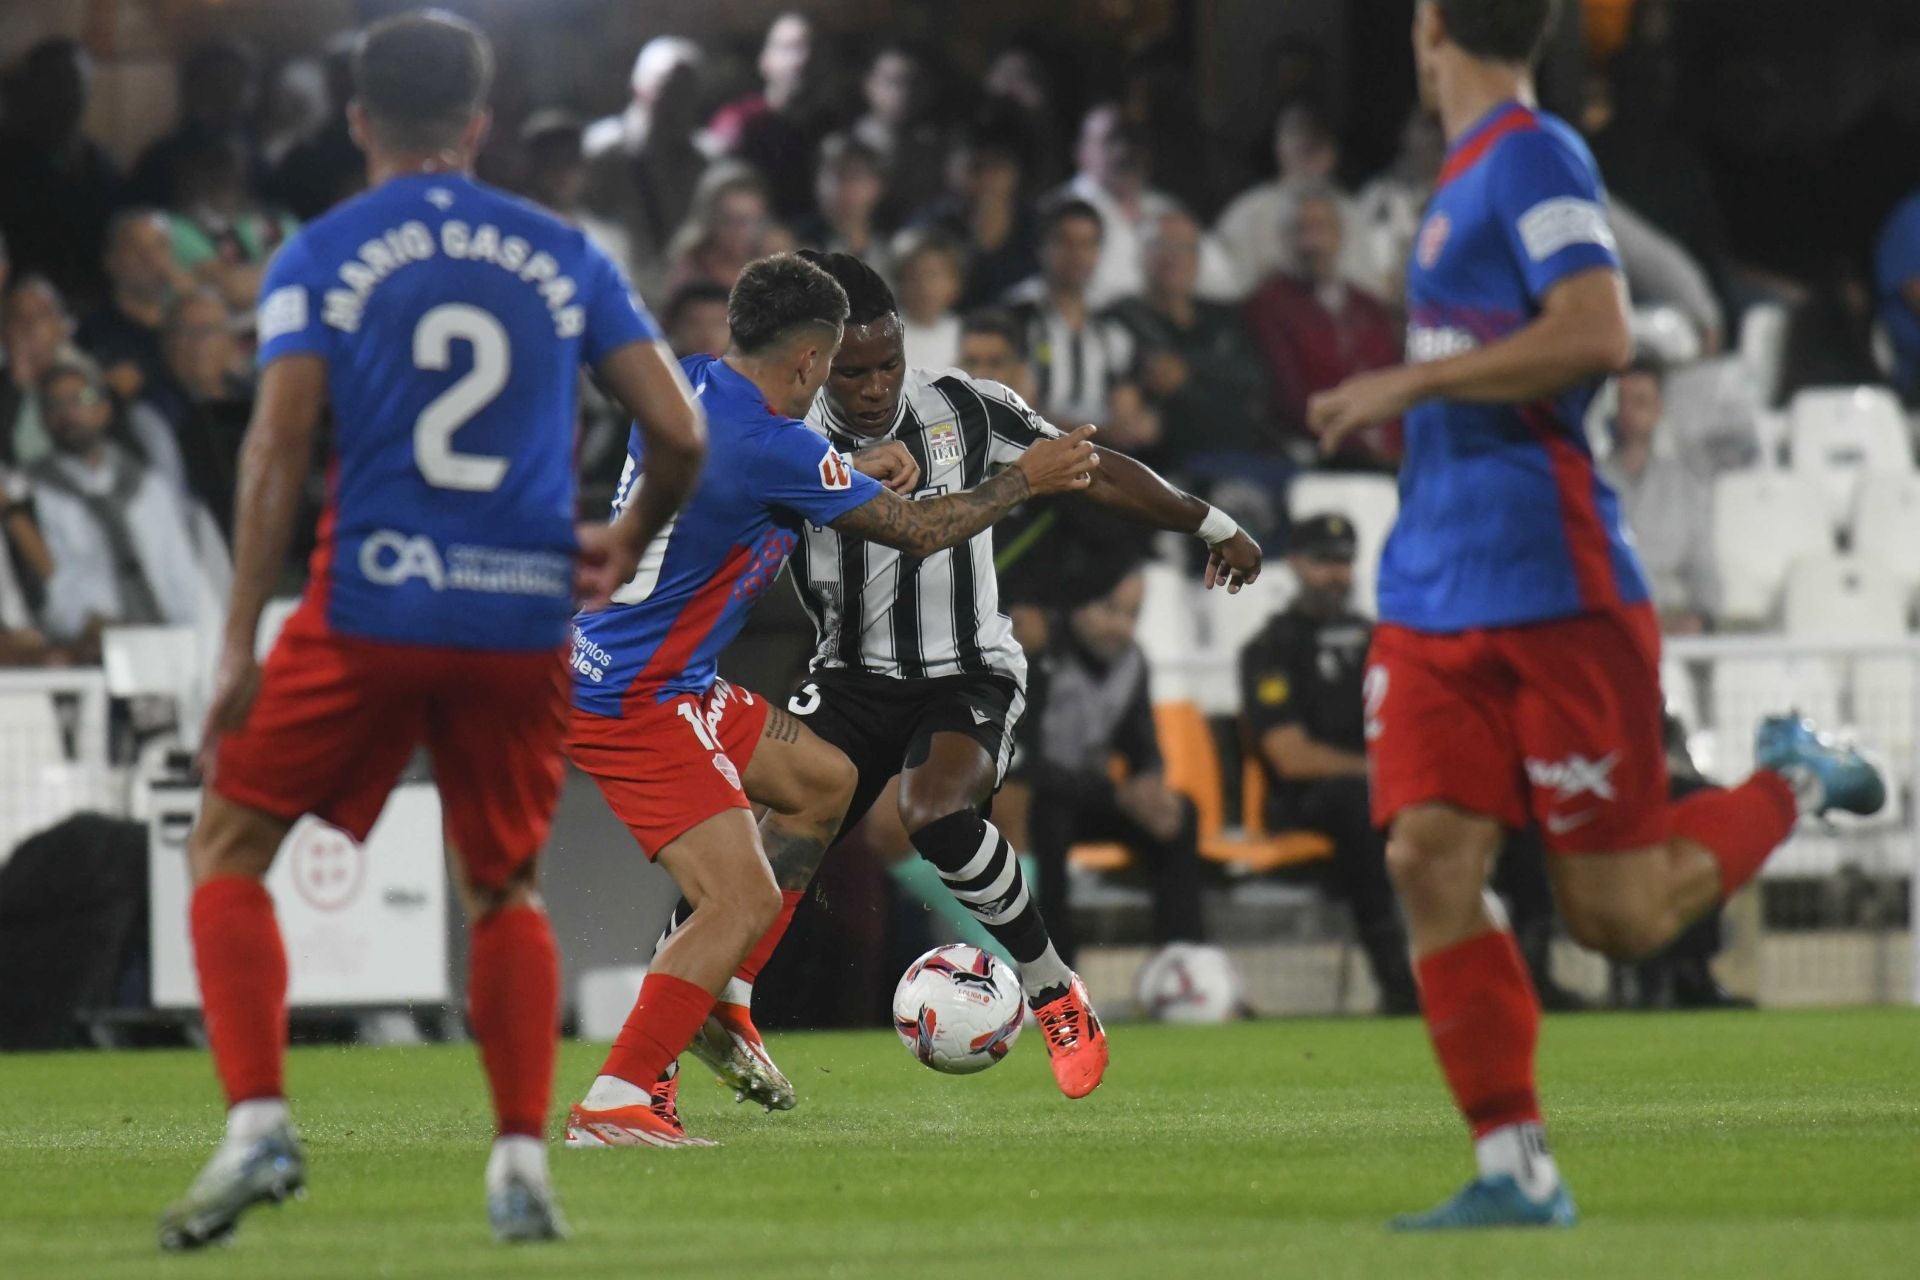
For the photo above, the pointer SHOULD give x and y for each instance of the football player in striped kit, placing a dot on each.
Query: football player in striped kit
(916, 672)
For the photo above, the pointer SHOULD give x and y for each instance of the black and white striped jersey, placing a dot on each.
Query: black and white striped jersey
(1075, 370)
(887, 613)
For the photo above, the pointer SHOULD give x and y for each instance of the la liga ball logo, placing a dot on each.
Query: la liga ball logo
(1433, 239)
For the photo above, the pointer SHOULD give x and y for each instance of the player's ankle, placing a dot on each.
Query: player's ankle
(1045, 973)
(255, 1118)
(611, 1092)
(1520, 1151)
(516, 1155)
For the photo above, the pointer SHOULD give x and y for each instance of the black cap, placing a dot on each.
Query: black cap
(1326, 536)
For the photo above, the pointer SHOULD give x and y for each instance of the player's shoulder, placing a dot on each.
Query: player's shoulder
(953, 382)
(1543, 140)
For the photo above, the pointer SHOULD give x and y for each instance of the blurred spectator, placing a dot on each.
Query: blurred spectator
(295, 109)
(1668, 509)
(985, 213)
(1253, 230)
(644, 164)
(727, 227)
(897, 88)
(770, 130)
(695, 320)
(217, 88)
(1896, 278)
(1300, 696)
(1091, 703)
(929, 287)
(556, 177)
(35, 327)
(1018, 80)
(993, 346)
(1162, 103)
(847, 193)
(191, 426)
(118, 534)
(1314, 330)
(1113, 180)
(21, 642)
(1386, 212)
(124, 334)
(221, 234)
(60, 188)
(1676, 314)
(326, 167)
(1079, 359)
(1193, 360)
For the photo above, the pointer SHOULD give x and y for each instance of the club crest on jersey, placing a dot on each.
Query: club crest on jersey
(943, 443)
(1433, 239)
(835, 471)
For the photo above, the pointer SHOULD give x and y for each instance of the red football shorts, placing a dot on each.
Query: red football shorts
(338, 718)
(667, 767)
(1557, 721)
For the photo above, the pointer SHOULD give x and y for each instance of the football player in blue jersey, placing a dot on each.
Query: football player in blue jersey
(1515, 674)
(444, 324)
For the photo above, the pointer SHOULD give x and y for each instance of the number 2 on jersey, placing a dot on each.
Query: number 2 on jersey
(452, 409)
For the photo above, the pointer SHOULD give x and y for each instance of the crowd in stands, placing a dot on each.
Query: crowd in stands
(1077, 251)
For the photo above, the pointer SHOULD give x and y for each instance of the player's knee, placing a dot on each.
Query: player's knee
(918, 812)
(758, 905)
(1620, 931)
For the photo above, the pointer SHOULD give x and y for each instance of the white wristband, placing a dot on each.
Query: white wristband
(1216, 527)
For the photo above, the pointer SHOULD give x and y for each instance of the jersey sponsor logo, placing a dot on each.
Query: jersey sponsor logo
(836, 472)
(943, 444)
(1575, 776)
(588, 658)
(1272, 691)
(284, 311)
(1433, 240)
(389, 558)
(1426, 342)
(1560, 223)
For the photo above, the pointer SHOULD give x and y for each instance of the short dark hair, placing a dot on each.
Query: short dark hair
(421, 77)
(999, 323)
(1062, 210)
(1499, 30)
(868, 297)
(838, 149)
(777, 295)
(691, 294)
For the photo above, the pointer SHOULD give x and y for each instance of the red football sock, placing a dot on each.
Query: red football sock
(663, 1022)
(1484, 1020)
(513, 1002)
(763, 950)
(243, 984)
(1739, 827)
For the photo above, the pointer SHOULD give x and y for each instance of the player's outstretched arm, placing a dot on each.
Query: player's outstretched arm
(647, 382)
(274, 459)
(1582, 332)
(1062, 465)
(1138, 492)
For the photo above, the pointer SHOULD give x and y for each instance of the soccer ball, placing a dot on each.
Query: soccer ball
(1186, 982)
(958, 1009)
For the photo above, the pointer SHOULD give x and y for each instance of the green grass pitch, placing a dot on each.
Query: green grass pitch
(1772, 1144)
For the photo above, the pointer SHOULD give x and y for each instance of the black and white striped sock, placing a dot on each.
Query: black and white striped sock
(982, 872)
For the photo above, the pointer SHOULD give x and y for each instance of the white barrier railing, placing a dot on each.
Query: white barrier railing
(53, 751)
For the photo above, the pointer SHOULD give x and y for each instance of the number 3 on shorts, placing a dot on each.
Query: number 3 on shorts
(805, 700)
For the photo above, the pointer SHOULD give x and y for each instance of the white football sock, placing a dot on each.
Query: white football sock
(516, 1154)
(1521, 1150)
(609, 1092)
(736, 992)
(255, 1118)
(1044, 971)
(1809, 793)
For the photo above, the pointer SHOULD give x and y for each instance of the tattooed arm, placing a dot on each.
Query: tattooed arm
(921, 528)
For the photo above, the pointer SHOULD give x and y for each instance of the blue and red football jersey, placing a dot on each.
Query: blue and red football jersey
(766, 474)
(1504, 519)
(454, 320)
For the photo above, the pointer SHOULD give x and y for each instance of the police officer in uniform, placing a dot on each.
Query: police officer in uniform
(1301, 696)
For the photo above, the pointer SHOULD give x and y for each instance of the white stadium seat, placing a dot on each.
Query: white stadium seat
(1168, 632)
(1843, 597)
(1886, 524)
(1763, 345)
(1371, 502)
(1762, 522)
(1840, 434)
